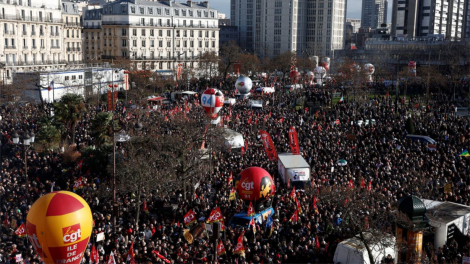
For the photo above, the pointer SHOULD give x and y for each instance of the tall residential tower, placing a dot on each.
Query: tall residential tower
(270, 28)
(374, 13)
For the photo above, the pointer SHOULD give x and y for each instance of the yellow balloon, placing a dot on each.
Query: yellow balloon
(59, 225)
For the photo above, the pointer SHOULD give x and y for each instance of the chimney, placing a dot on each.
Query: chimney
(190, 3)
(205, 4)
(166, 2)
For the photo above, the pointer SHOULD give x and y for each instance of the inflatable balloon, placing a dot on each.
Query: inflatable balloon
(212, 100)
(255, 184)
(243, 85)
(320, 73)
(370, 69)
(59, 225)
(412, 67)
(314, 59)
(310, 76)
(326, 63)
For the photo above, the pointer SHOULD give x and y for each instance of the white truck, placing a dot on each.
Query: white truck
(294, 170)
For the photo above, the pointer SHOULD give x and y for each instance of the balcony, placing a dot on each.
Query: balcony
(10, 47)
(24, 33)
(30, 18)
(55, 47)
(9, 32)
(25, 47)
(92, 27)
(33, 33)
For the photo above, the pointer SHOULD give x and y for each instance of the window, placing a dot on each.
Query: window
(191, 44)
(134, 43)
(160, 33)
(168, 33)
(143, 43)
(207, 44)
(142, 10)
(124, 32)
(177, 12)
(150, 10)
(124, 43)
(213, 44)
(200, 44)
(185, 44)
(143, 32)
(213, 34)
(132, 9)
(67, 78)
(200, 33)
(159, 11)
(152, 43)
(167, 11)
(168, 44)
(207, 34)
(160, 43)
(185, 33)
(74, 77)
(151, 32)
(183, 12)
(123, 9)
(134, 32)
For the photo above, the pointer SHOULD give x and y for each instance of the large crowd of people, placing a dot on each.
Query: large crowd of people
(380, 154)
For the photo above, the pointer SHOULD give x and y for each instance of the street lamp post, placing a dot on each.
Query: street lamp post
(27, 138)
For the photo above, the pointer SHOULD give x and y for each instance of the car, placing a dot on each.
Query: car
(242, 219)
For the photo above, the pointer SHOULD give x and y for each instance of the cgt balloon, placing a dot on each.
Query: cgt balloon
(59, 225)
(255, 184)
(212, 101)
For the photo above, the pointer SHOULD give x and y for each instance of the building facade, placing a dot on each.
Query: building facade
(72, 32)
(353, 25)
(32, 33)
(269, 28)
(374, 13)
(431, 17)
(153, 35)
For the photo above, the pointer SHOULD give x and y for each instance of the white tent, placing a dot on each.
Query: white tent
(353, 251)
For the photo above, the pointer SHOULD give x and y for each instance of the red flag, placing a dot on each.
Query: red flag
(281, 120)
(78, 184)
(315, 208)
(294, 141)
(242, 152)
(351, 184)
(265, 118)
(319, 127)
(246, 145)
(297, 204)
(237, 117)
(251, 210)
(317, 243)
(252, 224)
(268, 145)
(230, 179)
(294, 217)
(111, 259)
(220, 249)
(130, 254)
(21, 231)
(161, 256)
(215, 216)
(367, 222)
(363, 184)
(145, 207)
(292, 194)
(249, 120)
(94, 258)
(80, 164)
(189, 218)
(269, 114)
(239, 249)
(370, 186)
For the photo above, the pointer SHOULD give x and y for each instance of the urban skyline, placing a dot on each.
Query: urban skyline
(353, 8)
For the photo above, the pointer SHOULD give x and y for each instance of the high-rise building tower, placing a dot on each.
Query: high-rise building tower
(374, 13)
(270, 28)
(417, 18)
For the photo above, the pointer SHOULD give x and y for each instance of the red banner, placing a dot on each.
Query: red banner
(145, 208)
(180, 70)
(111, 106)
(294, 141)
(268, 145)
(189, 218)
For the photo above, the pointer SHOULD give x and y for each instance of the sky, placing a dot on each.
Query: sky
(354, 8)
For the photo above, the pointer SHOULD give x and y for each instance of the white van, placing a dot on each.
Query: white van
(257, 104)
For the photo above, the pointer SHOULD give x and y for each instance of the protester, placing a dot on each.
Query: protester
(381, 154)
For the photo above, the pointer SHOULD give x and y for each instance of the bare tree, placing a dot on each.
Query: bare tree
(229, 53)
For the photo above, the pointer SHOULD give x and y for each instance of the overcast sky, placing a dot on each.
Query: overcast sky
(354, 7)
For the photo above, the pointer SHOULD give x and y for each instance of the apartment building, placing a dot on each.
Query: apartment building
(72, 34)
(272, 27)
(31, 33)
(374, 13)
(428, 17)
(153, 35)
